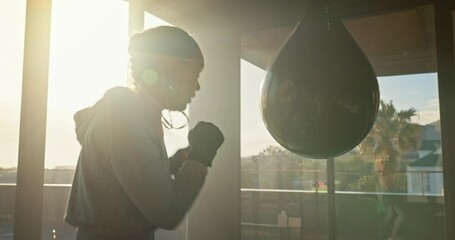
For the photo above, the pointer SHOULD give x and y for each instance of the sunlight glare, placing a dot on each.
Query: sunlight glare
(88, 55)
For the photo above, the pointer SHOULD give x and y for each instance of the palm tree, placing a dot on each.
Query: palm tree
(392, 134)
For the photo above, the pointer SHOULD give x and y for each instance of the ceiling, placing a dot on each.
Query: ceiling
(398, 36)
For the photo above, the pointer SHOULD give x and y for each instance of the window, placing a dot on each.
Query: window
(284, 196)
(88, 55)
(12, 23)
(389, 200)
(275, 183)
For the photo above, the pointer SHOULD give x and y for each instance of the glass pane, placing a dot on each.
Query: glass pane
(88, 56)
(283, 196)
(391, 185)
(402, 195)
(12, 22)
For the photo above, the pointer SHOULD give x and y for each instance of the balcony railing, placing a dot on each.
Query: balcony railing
(360, 215)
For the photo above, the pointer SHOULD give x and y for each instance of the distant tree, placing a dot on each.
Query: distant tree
(272, 151)
(366, 183)
(349, 171)
(277, 167)
(249, 177)
(392, 134)
(280, 168)
(257, 171)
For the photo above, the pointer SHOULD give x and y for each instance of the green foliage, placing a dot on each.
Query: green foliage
(350, 171)
(366, 183)
(249, 177)
(277, 168)
(392, 134)
(400, 185)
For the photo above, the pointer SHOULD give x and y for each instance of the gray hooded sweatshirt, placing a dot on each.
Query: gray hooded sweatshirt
(122, 182)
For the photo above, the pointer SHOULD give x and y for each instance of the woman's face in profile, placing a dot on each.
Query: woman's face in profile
(183, 82)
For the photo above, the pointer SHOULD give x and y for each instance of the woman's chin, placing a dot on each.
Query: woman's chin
(178, 107)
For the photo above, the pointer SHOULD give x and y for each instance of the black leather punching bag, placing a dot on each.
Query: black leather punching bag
(320, 96)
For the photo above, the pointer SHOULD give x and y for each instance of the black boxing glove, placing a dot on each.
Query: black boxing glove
(204, 139)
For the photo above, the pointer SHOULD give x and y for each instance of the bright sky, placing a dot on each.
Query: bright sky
(88, 56)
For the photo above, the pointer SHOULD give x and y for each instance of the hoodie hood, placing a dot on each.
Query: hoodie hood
(118, 96)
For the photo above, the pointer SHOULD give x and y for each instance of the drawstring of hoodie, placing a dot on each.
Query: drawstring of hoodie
(168, 124)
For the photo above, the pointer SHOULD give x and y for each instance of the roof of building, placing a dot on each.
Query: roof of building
(430, 160)
(430, 145)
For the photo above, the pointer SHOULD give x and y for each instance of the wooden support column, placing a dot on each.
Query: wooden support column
(135, 24)
(135, 16)
(216, 212)
(446, 81)
(32, 135)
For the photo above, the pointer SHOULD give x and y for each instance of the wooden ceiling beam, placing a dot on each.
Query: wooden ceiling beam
(347, 9)
(265, 14)
(363, 8)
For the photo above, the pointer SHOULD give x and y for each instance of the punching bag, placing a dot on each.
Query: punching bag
(320, 95)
